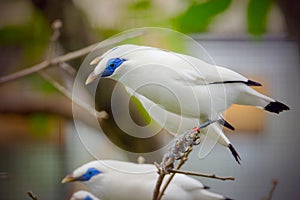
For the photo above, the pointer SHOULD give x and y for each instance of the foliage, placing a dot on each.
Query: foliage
(31, 37)
(198, 16)
(257, 16)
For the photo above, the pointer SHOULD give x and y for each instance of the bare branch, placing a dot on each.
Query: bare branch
(202, 175)
(67, 57)
(24, 72)
(32, 196)
(56, 26)
(68, 94)
(270, 195)
(158, 182)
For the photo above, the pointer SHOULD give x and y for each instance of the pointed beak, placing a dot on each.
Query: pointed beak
(96, 60)
(68, 178)
(91, 78)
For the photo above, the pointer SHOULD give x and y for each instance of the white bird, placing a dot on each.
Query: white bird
(182, 84)
(175, 123)
(83, 195)
(110, 179)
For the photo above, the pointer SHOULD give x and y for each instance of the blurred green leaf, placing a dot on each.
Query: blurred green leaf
(198, 16)
(32, 37)
(39, 125)
(257, 15)
(140, 5)
(176, 43)
(39, 84)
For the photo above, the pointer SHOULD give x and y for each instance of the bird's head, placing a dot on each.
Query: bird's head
(109, 63)
(85, 173)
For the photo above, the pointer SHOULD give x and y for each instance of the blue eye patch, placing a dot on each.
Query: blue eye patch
(88, 198)
(89, 174)
(111, 66)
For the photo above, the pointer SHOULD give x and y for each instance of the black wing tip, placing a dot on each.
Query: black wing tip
(253, 83)
(276, 107)
(235, 154)
(226, 198)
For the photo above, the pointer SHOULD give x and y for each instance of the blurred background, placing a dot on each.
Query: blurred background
(40, 143)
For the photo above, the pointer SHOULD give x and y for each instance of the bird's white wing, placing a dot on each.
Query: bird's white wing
(187, 183)
(191, 69)
(174, 123)
(128, 166)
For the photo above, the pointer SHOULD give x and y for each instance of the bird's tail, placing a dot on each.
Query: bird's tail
(235, 153)
(251, 97)
(214, 132)
(276, 107)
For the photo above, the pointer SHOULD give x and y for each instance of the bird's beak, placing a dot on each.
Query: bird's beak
(96, 60)
(68, 178)
(91, 78)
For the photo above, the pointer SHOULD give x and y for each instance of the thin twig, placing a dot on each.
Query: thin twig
(68, 94)
(158, 182)
(56, 25)
(32, 196)
(67, 57)
(270, 195)
(202, 175)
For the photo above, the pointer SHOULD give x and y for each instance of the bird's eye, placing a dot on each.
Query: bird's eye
(90, 173)
(111, 64)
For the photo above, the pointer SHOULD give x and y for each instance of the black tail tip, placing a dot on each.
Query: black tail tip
(226, 198)
(276, 107)
(234, 153)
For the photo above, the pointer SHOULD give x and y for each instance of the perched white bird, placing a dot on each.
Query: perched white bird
(110, 179)
(175, 123)
(83, 195)
(182, 84)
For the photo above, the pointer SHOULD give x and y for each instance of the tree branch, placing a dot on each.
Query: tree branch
(47, 63)
(213, 176)
(32, 196)
(67, 57)
(158, 182)
(270, 195)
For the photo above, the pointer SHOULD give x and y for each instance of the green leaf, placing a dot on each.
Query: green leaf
(39, 125)
(39, 84)
(257, 15)
(32, 37)
(198, 16)
(140, 5)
